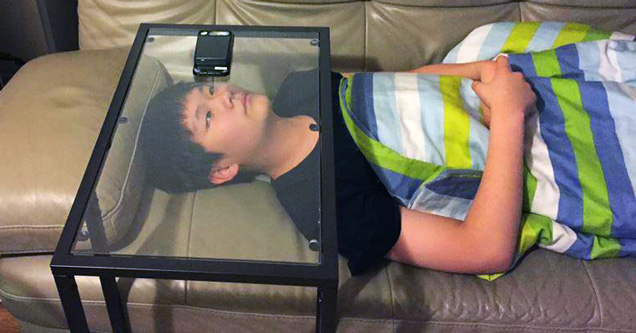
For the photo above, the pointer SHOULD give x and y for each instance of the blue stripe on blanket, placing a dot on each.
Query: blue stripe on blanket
(569, 62)
(398, 185)
(561, 154)
(451, 57)
(522, 63)
(621, 107)
(545, 36)
(589, 60)
(620, 192)
(456, 185)
(362, 95)
(582, 247)
(389, 131)
(438, 204)
(495, 40)
(432, 117)
(628, 246)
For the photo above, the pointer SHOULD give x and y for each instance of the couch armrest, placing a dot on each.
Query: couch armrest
(50, 114)
(59, 22)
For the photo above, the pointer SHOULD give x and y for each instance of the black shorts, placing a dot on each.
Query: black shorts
(368, 217)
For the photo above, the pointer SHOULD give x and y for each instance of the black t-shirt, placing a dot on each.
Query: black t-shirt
(298, 190)
(368, 217)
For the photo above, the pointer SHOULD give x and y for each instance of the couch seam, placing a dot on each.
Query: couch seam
(388, 276)
(366, 33)
(31, 251)
(577, 7)
(503, 2)
(185, 289)
(519, 327)
(498, 4)
(216, 11)
(127, 178)
(24, 226)
(594, 289)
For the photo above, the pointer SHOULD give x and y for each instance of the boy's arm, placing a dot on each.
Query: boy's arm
(477, 71)
(485, 242)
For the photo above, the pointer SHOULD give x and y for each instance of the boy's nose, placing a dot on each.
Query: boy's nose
(228, 99)
(222, 98)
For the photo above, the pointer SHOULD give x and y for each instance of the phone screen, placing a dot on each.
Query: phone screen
(213, 47)
(213, 53)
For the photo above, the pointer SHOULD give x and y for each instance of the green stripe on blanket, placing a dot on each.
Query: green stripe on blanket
(456, 124)
(605, 247)
(572, 33)
(597, 218)
(520, 37)
(546, 63)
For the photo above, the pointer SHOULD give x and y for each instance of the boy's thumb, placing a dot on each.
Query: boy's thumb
(502, 62)
(477, 87)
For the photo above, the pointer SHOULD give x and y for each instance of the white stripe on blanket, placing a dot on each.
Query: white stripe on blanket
(466, 52)
(562, 238)
(409, 112)
(620, 106)
(538, 159)
(609, 67)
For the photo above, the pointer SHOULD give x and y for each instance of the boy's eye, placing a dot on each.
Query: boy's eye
(208, 119)
(211, 90)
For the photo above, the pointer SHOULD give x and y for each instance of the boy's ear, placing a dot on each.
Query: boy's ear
(222, 174)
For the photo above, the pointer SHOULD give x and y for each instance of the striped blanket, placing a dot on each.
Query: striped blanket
(425, 137)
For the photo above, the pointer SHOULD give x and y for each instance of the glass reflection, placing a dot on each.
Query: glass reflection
(205, 150)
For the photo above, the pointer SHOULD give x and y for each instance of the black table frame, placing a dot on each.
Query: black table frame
(65, 265)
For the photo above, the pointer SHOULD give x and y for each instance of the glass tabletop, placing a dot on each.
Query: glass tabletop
(188, 171)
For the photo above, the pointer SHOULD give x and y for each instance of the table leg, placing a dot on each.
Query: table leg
(116, 309)
(326, 310)
(71, 303)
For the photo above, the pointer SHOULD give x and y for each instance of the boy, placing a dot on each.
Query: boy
(205, 136)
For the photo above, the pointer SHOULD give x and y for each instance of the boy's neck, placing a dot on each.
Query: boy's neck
(289, 141)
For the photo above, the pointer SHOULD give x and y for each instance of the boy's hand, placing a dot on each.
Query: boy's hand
(487, 71)
(506, 93)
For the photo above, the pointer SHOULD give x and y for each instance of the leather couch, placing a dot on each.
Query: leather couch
(52, 110)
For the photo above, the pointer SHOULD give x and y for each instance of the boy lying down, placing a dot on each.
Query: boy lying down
(238, 129)
(203, 135)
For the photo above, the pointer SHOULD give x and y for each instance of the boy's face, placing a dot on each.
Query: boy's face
(231, 121)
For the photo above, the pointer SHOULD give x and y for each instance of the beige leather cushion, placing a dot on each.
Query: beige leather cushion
(51, 114)
(549, 292)
(112, 23)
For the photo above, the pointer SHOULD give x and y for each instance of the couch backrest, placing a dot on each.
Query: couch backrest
(365, 35)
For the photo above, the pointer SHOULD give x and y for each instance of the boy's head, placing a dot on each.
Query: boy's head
(173, 162)
(195, 136)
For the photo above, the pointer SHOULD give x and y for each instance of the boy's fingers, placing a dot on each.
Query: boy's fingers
(502, 62)
(477, 88)
(484, 105)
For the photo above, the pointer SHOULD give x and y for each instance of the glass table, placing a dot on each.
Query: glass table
(119, 202)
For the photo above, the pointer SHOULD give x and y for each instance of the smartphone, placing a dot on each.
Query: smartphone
(213, 53)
